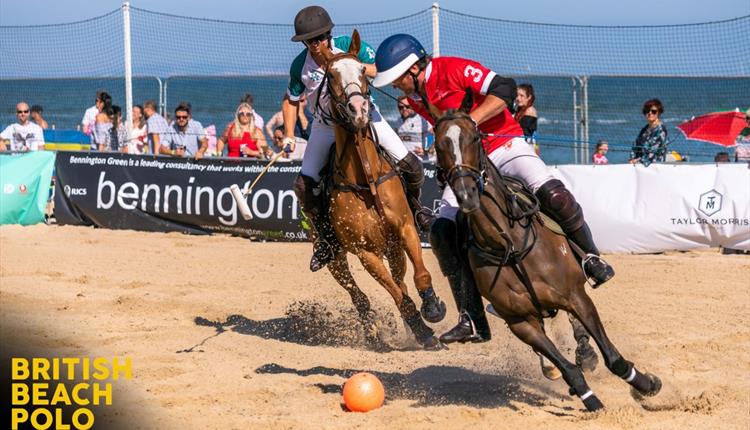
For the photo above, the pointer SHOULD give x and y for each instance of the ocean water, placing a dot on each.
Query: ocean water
(614, 104)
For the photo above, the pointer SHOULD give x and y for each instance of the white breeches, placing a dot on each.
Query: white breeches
(323, 136)
(517, 160)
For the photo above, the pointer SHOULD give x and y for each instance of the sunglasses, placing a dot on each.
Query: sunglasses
(244, 114)
(652, 111)
(22, 111)
(181, 117)
(318, 39)
(402, 107)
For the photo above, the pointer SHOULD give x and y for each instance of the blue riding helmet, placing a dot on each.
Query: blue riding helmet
(394, 57)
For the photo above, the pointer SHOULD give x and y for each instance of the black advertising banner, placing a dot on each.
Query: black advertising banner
(148, 193)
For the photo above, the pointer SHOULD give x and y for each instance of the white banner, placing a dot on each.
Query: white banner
(632, 208)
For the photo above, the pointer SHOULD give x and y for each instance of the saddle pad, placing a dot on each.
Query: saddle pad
(517, 188)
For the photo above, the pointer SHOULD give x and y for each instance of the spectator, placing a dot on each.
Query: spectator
(241, 136)
(526, 114)
(186, 137)
(89, 118)
(118, 140)
(278, 146)
(156, 127)
(24, 135)
(301, 126)
(742, 152)
(600, 155)
(100, 138)
(36, 116)
(413, 127)
(139, 133)
(248, 98)
(651, 144)
(722, 157)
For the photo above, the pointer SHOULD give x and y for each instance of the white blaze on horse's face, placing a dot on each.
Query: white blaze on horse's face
(454, 134)
(351, 72)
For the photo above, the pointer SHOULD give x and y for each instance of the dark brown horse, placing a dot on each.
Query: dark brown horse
(523, 269)
(368, 207)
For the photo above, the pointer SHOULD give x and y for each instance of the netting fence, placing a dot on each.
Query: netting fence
(590, 81)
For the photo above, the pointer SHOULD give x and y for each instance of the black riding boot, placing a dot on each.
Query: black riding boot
(472, 324)
(413, 174)
(557, 202)
(325, 242)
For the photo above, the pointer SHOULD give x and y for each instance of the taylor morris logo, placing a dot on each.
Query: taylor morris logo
(710, 202)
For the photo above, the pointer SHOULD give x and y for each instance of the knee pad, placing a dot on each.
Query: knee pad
(304, 189)
(412, 170)
(556, 201)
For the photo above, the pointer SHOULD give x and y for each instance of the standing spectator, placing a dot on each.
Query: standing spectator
(139, 134)
(526, 114)
(412, 129)
(36, 116)
(600, 155)
(278, 146)
(301, 127)
(242, 137)
(186, 137)
(742, 152)
(118, 140)
(24, 135)
(248, 98)
(100, 138)
(156, 127)
(89, 117)
(651, 144)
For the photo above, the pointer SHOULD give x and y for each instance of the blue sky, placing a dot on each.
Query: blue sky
(586, 12)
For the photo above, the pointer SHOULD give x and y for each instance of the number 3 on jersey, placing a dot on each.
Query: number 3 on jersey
(474, 72)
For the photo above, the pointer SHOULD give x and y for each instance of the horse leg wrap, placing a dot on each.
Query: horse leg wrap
(627, 371)
(414, 320)
(578, 387)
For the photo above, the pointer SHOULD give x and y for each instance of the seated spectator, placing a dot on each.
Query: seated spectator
(526, 114)
(722, 157)
(36, 116)
(278, 146)
(600, 155)
(302, 126)
(651, 144)
(100, 138)
(186, 137)
(248, 98)
(412, 129)
(156, 127)
(742, 152)
(241, 137)
(23, 135)
(138, 135)
(89, 117)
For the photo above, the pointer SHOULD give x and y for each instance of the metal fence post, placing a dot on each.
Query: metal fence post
(575, 119)
(585, 120)
(435, 30)
(128, 67)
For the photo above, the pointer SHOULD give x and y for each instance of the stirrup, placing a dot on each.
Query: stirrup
(428, 218)
(610, 273)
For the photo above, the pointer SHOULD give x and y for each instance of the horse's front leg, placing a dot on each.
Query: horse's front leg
(529, 330)
(375, 266)
(433, 309)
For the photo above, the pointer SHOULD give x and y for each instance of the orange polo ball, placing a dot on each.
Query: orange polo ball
(363, 392)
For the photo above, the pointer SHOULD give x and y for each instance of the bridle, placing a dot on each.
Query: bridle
(463, 170)
(340, 110)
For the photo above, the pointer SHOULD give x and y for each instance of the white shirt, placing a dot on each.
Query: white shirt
(28, 137)
(411, 131)
(89, 119)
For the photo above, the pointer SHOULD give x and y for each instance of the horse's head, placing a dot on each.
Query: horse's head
(348, 85)
(460, 155)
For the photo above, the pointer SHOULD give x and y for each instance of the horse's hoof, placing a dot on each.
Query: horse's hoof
(433, 344)
(655, 388)
(549, 370)
(593, 403)
(586, 358)
(433, 309)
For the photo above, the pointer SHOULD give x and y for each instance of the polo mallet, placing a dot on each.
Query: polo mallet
(240, 196)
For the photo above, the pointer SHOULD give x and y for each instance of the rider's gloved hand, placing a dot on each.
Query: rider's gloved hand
(289, 144)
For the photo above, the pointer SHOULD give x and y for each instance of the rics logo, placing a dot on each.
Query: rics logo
(710, 202)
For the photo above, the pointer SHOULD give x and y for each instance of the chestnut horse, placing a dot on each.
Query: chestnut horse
(368, 207)
(521, 267)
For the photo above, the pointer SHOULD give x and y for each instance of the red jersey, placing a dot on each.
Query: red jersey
(446, 80)
(233, 143)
